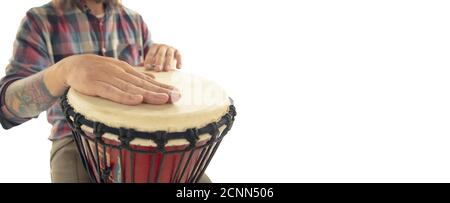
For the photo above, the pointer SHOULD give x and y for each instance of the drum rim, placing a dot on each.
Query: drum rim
(161, 138)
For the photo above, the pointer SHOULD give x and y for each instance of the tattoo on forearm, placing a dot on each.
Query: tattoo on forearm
(29, 97)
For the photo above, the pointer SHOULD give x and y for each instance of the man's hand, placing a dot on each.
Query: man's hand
(161, 57)
(113, 80)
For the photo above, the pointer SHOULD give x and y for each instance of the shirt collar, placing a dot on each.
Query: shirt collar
(81, 4)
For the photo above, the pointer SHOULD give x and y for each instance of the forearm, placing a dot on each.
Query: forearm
(28, 97)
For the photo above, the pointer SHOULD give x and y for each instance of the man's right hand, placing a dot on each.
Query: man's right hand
(108, 78)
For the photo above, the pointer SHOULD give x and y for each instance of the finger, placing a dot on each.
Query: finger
(122, 85)
(160, 58)
(144, 71)
(156, 98)
(174, 97)
(179, 59)
(141, 75)
(132, 70)
(170, 55)
(145, 84)
(174, 94)
(150, 56)
(149, 97)
(149, 74)
(163, 85)
(114, 94)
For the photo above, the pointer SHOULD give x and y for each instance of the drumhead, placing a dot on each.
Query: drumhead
(202, 102)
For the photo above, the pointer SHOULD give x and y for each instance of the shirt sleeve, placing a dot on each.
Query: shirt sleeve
(30, 56)
(146, 35)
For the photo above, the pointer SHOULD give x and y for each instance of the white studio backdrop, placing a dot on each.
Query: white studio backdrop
(326, 91)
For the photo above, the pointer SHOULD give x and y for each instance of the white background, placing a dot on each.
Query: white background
(326, 91)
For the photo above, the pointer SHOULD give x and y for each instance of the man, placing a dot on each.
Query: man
(91, 46)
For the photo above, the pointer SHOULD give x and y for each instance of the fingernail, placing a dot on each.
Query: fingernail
(166, 98)
(175, 96)
(138, 98)
(175, 89)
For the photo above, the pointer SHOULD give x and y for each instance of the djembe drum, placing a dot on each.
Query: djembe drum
(171, 143)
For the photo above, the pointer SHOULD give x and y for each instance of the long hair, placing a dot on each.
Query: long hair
(65, 4)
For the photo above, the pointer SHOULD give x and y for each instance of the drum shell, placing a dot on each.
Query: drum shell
(145, 164)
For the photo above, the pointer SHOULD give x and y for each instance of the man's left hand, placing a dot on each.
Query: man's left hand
(162, 57)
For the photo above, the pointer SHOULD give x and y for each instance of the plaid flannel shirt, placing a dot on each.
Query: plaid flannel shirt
(48, 34)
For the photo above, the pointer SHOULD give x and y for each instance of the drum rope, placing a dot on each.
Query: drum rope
(160, 137)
